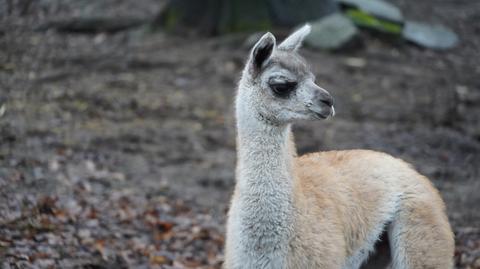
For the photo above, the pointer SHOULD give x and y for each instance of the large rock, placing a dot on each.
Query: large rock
(429, 36)
(90, 16)
(331, 32)
(377, 8)
(95, 23)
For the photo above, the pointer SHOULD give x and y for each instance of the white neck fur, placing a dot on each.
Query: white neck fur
(261, 216)
(263, 147)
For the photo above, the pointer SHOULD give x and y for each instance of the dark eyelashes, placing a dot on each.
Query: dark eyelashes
(283, 89)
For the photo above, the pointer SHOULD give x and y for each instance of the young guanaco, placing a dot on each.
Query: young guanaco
(326, 209)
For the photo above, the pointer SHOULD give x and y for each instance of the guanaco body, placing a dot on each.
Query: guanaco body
(327, 209)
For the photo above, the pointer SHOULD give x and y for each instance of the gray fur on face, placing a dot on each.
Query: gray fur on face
(306, 101)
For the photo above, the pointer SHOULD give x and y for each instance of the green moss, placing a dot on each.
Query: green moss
(366, 20)
(249, 26)
(244, 16)
(171, 19)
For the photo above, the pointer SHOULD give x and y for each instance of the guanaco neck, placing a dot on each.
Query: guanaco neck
(265, 149)
(263, 201)
(264, 153)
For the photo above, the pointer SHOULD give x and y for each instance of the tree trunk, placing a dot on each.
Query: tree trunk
(293, 12)
(226, 16)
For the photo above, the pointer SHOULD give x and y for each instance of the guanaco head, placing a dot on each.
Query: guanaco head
(279, 84)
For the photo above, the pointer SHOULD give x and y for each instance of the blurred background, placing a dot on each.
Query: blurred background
(117, 139)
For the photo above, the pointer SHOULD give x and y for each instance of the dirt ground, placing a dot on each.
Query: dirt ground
(117, 150)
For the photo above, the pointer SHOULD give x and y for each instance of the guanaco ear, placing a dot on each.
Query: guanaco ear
(295, 40)
(262, 50)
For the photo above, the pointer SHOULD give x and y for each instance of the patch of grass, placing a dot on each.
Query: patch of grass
(366, 20)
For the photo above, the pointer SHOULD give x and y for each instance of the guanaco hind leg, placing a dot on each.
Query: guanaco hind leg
(420, 238)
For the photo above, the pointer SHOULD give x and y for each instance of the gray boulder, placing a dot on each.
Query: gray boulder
(331, 32)
(429, 36)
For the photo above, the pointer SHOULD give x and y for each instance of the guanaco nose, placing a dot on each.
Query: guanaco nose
(322, 96)
(327, 99)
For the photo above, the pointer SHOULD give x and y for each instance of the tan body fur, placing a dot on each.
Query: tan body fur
(339, 196)
(323, 210)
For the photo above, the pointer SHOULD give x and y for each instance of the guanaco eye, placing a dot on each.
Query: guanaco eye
(283, 89)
